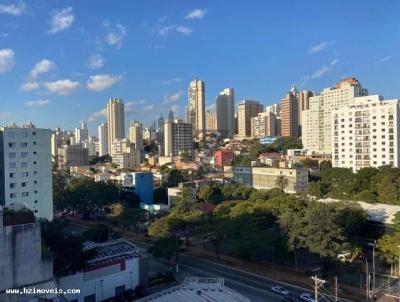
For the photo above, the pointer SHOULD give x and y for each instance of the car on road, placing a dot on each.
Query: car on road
(307, 297)
(280, 290)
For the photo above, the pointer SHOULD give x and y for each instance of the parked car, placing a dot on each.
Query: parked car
(307, 297)
(280, 290)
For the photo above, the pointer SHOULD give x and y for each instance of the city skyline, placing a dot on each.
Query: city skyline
(144, 54)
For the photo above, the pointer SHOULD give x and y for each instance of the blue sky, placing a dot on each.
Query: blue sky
(62, 60)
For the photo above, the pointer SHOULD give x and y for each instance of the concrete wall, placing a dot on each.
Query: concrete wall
(103, 281)
(21, 256)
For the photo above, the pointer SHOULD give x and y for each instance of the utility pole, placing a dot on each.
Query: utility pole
(336, 289)
(317, 284)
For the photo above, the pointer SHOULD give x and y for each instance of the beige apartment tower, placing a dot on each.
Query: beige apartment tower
(225, 110)
(136, 134)
(115, 121)
(211, 122)
(246, 110)
(317, 120)
(289, 115)
(195, 110)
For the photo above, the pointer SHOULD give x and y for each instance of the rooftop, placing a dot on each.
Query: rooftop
(112, 250)
(198, 290)
(377, 212)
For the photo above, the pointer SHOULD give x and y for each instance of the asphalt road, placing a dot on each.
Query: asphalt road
(255, 287)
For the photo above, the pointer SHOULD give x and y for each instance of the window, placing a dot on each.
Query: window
(13, 185)
(12, 145)
(24, 154)
(24, 145)
(13, 195)
(25, 194)
(12, 155)
(24, 165)
(34, 152)
(24, 174)
(12, 175)
(11, 135)
(24, 184)
(34, 143)
(12, 165)
(35, 201)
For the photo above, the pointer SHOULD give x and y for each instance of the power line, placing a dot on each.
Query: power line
(317, 284)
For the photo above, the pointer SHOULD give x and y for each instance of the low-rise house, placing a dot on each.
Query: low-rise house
(118, 266)
(294, 180)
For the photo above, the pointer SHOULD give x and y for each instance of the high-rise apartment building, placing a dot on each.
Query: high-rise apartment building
(317, 120)
(289, 114)
(225, 110)
(136, 134)
(115, 121)
(178, 137)
(81, 134)
(303, 104)
(195, 110)
(102, 132)
(211, 122)
(366, 133)
(25, 169)
(73, 156)
(276, 110)
(263, 124)
(60, 138)
(246, 110)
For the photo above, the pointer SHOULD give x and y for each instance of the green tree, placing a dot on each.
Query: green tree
(87, 196)
(281, 182)
(128, 218)
(165, 247)
(282, 144)
(67, 249)
(175, 177)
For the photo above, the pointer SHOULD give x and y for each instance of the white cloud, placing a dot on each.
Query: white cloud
(319, 47)
(319, 72)
(384, 60)
(173, 97)
(149, 107)
(43, 66)
(184, 30)
(61, 20)
(38, 103)
(197, 13)
(62, 87)
(12, 9)
(166, 29)
(101, 82)
(29, 86)
(96, 61)
(97, 115)
(115, 33)
(7, 60)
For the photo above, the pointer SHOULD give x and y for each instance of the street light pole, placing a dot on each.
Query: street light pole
(366, 277)
(373, 270)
